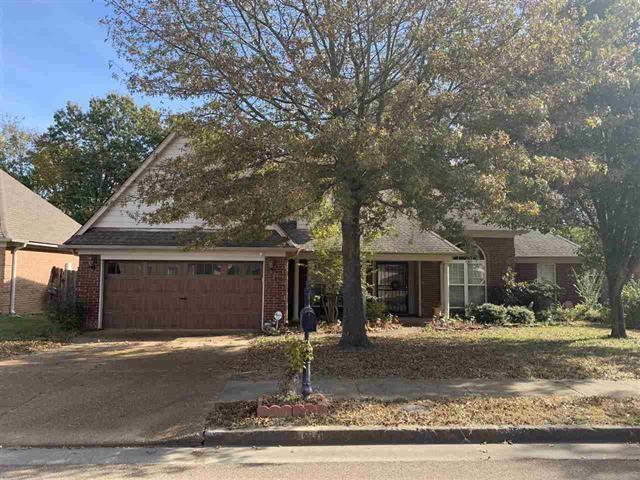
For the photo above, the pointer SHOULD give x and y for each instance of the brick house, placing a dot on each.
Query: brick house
(32, 234)
(136, 275)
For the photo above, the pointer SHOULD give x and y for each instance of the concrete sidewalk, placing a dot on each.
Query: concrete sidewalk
(398, 388)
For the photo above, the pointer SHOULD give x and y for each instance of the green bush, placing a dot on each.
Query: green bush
(595, 313)
(520, 315)
(375, 308)
(589, 285)
(631, 302)
(489, 314)
(537, 295)
(67, 313)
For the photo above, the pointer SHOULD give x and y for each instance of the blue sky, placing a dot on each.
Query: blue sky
(54, 51)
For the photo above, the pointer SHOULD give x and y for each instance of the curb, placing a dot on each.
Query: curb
(304, 436)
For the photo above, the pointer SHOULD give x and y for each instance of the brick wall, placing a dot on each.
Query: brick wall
(33, 272)
(430, 272)
(275, 287)
(500, 253)
(88, 288)
(564, 279)
(526, 272)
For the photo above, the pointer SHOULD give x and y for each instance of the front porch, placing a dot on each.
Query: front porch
(410, 287)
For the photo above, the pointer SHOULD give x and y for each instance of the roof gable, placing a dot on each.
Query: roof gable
(27, 217)
(119, 211)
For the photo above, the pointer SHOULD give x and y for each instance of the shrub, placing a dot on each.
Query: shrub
(594, 313)
(537, 295)
(631, 302)
(375, 308)
(488, 313)
(67, 313)
(520, 315)
(589, 285)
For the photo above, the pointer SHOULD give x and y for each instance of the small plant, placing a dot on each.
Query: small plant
(589, 285)
(520, 315)
(375, 308)
(298, 352)
(489, 314)
(67, 313)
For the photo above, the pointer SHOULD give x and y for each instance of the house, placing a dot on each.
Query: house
(32, 234)
(136, 275)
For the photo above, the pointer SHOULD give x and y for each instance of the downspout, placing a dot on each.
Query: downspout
(14, 273)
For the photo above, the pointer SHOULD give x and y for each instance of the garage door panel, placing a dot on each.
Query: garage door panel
(182, 295)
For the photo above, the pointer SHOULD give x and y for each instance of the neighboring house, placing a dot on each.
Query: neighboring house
(32, 234)
(136, 275)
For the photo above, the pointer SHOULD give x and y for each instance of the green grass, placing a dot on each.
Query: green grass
(26, 327)
(550, 352)
(22, 334)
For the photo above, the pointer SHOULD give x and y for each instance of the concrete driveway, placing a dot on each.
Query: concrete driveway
(105, 389)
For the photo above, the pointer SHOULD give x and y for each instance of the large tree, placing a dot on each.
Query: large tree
(596, 129)
(85, 155)
(15, 145)
(372, 104)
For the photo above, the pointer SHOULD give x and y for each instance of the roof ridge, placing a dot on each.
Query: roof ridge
(571, 242)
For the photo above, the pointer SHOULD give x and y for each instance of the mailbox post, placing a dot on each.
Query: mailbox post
(308, 322)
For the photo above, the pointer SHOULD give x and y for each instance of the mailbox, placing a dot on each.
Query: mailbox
(308, 320)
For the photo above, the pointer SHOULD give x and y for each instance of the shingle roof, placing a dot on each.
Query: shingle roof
(158, 238)
(25, 216)
(536, 244)
(404, 236)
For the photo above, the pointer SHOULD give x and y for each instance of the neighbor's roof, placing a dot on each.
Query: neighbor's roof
(405, 235)
(27, 217)
(536, 244)
(160, 238)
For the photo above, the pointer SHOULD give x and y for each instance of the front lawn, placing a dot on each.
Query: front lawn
(549, 352)
(27, 334)
(467, 411)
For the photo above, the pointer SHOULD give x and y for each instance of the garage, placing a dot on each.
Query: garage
(182, 295)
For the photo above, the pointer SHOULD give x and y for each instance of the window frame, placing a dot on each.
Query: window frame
(466, 262)
(554, 280)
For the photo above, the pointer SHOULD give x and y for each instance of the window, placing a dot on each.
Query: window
(254, 269)
(234, 269)
(172, 270)
(205, 269)
(546, 272)
(113, 268)
(468, 280)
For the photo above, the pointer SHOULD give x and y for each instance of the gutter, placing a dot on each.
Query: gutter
(14, 270)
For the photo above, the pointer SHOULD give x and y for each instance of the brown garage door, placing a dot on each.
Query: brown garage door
(208, 295)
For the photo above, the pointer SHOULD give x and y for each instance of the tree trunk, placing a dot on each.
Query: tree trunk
(354, 334)
(616, 283)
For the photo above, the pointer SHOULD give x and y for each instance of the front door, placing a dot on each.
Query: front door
(393, 286)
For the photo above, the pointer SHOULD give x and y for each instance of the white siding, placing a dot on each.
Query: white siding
(124, 214)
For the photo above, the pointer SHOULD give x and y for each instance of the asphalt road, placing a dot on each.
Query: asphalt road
(477, 462)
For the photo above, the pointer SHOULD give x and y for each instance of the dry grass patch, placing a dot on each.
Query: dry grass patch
(467, 411)
(549, 352)
(24, 334)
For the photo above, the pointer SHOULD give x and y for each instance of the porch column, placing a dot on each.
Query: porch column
(296, 289)
(419, 288)
(444, 291)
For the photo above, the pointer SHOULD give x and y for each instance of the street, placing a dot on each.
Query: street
(548, 462)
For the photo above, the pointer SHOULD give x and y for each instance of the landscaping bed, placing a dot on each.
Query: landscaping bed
(466, 411)
(541, 351)
(26, 334)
